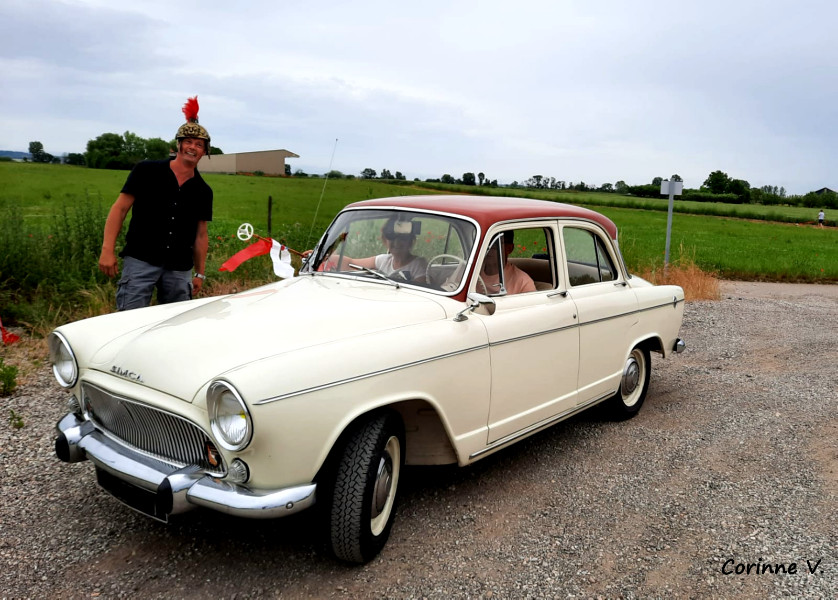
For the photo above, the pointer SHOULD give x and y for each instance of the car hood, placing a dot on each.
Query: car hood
(182, 353)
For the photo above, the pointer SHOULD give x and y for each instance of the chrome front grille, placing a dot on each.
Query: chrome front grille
(154, 432)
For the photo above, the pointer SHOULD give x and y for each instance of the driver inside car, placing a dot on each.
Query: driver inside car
(398, 263)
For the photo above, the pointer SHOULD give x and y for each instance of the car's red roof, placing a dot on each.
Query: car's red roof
(488, 210)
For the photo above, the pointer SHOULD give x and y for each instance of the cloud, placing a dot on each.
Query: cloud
(576, 90)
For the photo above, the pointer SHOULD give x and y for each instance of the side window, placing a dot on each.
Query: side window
(607, 272)
(527, 257)
(588, 260)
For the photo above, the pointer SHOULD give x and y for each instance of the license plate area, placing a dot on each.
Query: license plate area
(134, 497)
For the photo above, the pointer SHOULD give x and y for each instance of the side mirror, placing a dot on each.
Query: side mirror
(477, 301)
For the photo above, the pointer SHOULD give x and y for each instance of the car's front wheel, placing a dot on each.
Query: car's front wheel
(634, 384)
(363, 502)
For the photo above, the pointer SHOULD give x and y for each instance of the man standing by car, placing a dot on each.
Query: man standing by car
(171, 205)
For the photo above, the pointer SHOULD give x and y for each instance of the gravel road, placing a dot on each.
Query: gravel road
(733, 460)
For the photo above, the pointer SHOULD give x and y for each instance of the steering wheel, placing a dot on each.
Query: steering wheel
(447, 282)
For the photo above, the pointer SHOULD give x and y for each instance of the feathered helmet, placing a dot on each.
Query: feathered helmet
(191, 127)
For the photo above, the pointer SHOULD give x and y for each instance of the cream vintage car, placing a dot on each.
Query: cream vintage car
(401, 341)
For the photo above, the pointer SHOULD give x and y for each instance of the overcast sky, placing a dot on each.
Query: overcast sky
(593, 90)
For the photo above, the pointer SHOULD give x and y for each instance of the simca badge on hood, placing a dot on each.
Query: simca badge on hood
(126, 374)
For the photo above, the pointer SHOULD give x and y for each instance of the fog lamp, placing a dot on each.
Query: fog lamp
(73, 405)
(238, 472)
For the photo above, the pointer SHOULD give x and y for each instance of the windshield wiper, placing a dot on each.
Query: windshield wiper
(376, 273)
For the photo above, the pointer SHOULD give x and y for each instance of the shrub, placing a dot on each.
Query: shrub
(702, 196)
(51, 264)
(8, 378)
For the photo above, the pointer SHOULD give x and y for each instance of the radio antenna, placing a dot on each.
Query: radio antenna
(323, 191)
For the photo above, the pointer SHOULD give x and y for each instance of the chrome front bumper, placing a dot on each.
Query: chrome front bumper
(158, 489)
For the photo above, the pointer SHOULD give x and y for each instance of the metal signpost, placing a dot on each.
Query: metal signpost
(672, 188)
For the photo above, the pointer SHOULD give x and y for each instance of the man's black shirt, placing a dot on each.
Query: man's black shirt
(164, 219)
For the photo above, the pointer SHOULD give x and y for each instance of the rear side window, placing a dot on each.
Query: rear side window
(588, 260)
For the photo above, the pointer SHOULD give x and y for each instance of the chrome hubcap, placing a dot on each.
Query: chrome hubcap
(631, 377)
(383, 482)
(384, 488)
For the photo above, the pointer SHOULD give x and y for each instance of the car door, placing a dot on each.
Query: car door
(607, 308)
(533, 339)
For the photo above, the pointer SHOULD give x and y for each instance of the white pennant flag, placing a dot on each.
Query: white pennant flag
(282, 260)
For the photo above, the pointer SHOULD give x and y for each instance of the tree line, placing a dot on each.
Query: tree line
(115, 151)
(466, 179)
(720, 187)
(112, 151)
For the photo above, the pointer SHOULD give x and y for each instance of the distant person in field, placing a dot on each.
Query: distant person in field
(171, 205)
(821, 217)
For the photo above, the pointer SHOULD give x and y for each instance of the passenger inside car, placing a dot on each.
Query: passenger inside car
(515, 281)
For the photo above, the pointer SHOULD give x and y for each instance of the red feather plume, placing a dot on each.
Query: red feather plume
(190, 109)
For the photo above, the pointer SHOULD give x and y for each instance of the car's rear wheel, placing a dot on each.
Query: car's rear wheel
(634, 384)
(363, 502)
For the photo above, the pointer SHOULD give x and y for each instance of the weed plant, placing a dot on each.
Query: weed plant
(43, 267)
(16, 420)
(8, 378)
(697, 283)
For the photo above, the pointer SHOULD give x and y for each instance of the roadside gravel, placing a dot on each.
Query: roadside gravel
(732, 460)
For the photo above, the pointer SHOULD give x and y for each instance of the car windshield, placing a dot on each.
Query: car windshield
(397, 246)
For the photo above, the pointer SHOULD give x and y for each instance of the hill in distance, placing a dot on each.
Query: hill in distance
(14, 154)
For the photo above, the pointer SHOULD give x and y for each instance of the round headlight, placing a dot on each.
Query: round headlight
(64, 365)
(229, 418)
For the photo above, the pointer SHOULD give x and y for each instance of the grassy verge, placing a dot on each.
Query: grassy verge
(731, 248)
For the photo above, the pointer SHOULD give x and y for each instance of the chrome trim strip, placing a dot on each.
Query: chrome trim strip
(533, 335)
(631, 312)
(324, 386)
(543, 424)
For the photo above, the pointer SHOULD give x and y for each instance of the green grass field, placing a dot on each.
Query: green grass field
(731, 247)
(785, 214)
